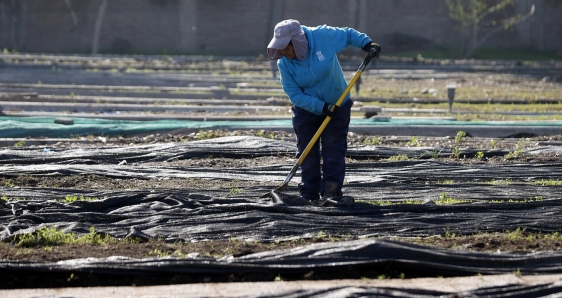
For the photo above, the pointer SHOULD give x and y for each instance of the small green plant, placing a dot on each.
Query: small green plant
(514, 154)
(44, 237)
(260, 133)
(179, 254)
(399, 157)
(55, 70)
(18, 199)
(460, 136)
(479, 155)
(134, 239)
(373, 141)
(93, 238)
(278, 278)
(382, 276)
(493, 144)
(434, 154)
(524, 200)
(444, 199)
(543, 182)
(414, 142)
(5, 198)
(158, 253)
(449, 182)
(48, 237)
(456, 152)
(515, 235)
(70, 199)
(450, 235)
(71, 277)
(19, 144)
(506, 181)
(235, 191)
(553, 236)
(411, 202)
(209, 134)
(380, 202)
(520, 145)
(9, 183)
(320, 235)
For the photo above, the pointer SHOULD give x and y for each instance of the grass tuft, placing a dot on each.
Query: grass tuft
(51, 236)
(399, 157)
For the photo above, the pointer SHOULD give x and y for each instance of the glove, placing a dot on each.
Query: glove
(330, 109)
(372, 47)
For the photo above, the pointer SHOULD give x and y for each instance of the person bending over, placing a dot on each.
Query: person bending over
(313, 80)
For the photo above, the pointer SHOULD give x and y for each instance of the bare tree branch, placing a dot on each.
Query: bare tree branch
(97, 27)
(472, 15)
(495, 8)
(72, 13)
(505, 23)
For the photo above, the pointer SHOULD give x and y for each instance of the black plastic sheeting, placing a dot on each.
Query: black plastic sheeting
(332, 256)
(238, 147)
(197, 215)
(233, 147)
(320, 257)
(176, 215)
(185, 215)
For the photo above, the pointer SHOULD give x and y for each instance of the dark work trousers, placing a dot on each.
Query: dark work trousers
(332, 147)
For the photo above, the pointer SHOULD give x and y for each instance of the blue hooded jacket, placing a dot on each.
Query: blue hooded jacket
(318, 78)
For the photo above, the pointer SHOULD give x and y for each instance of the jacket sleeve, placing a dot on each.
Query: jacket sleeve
(343, 37)
(296, 95)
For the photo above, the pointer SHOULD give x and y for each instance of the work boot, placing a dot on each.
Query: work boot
(330, 190)
(331, 197)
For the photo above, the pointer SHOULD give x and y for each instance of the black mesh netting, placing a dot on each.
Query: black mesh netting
(176, 215)
(189, 215)
(236, 147)
(375, 253)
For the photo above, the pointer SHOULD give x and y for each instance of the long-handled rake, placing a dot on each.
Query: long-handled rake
(323, 126)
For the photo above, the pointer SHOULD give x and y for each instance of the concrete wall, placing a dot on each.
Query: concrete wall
(544, 31)
(233, 27)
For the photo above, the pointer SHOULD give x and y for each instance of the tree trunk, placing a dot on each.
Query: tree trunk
(97, 27)
(473, 39)
(509, 23)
